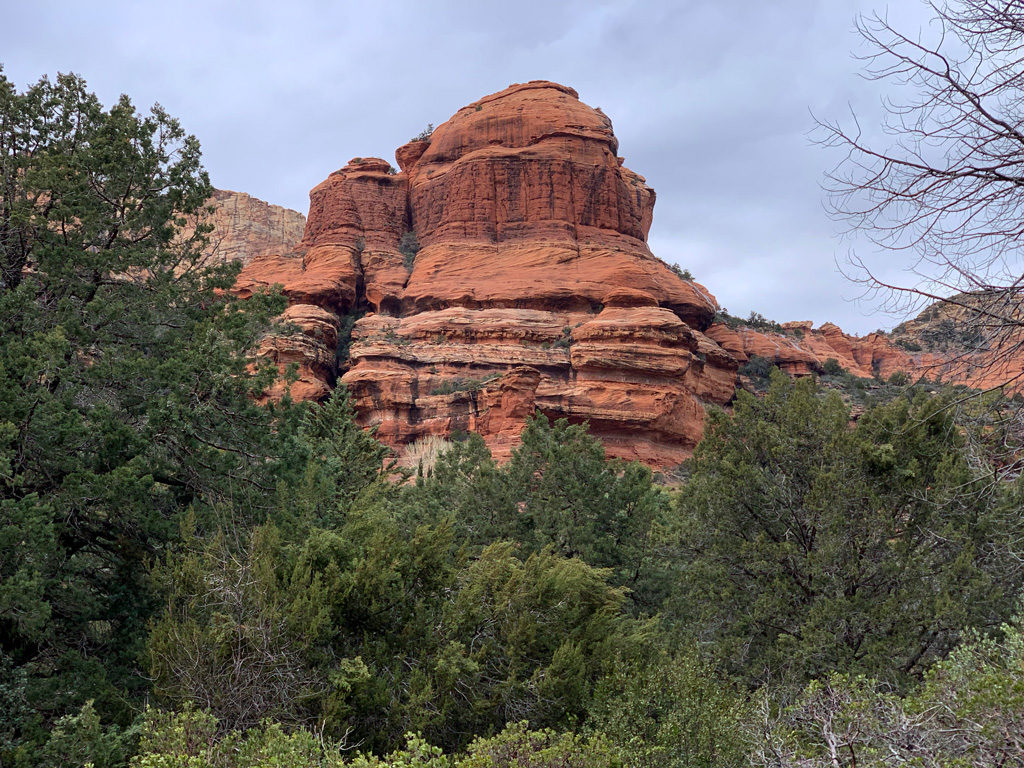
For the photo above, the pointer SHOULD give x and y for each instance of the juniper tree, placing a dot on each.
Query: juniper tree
(126, 388)
(808, 546)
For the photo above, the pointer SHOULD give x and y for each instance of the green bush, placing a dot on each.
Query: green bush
(809, 546)
(519, 747)
(193, 739)
(762, 323)
(679, 271)
(459, 384)
(831, 367)
(907, 344)
(758, 368)
(425, 134)
(672, 712)
(899, 378)
(409, 246)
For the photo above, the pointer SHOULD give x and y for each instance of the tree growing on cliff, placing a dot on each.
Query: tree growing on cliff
(947, 186)
(125, 386)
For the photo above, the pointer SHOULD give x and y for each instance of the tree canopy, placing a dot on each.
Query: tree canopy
(807, 545)
(126, 387)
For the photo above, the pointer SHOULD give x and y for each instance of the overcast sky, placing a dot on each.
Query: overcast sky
(711, 101)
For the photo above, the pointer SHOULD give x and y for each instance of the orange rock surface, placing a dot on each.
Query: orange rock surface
(503, 270)
(802, 350)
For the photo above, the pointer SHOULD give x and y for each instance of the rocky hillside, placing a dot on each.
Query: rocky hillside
(945, 342)
(503, 268)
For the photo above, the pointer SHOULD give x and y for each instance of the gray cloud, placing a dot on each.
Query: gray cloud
(711, 101)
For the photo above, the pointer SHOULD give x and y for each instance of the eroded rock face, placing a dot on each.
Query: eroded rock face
(803, 350)
(245, 228)
(934, 346)
(504, 269)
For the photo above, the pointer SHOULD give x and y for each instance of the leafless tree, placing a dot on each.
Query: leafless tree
(950, 187)
(947, 186)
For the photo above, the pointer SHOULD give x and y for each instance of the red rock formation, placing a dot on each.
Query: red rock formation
(505, 269)
(802, 350)
(532, 288)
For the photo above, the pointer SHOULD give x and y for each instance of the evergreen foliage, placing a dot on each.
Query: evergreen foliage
(125, 387)
(808, 546)
(191, 738)
(265, 572)
(672, 711)
(557, 491)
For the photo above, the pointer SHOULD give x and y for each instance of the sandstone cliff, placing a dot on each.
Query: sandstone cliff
(503, 269)
(245, 227)
(945, 342)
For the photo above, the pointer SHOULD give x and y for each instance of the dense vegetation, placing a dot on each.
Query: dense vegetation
(188, 578)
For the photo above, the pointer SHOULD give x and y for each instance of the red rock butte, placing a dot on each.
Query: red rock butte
(532, 289)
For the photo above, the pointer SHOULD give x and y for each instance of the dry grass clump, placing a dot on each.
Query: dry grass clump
(424, 453)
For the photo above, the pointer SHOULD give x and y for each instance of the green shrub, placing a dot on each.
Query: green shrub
(723, 316)
(810, 546)
(195, 739)
(81, 740)
(565, 341)
(831, 367)
(757, 367)
(409, 246)
(762, 323)
(900, 379)
(425, 134)
(519, 747)
(671, 712)
(968, 713)
(683, 273)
